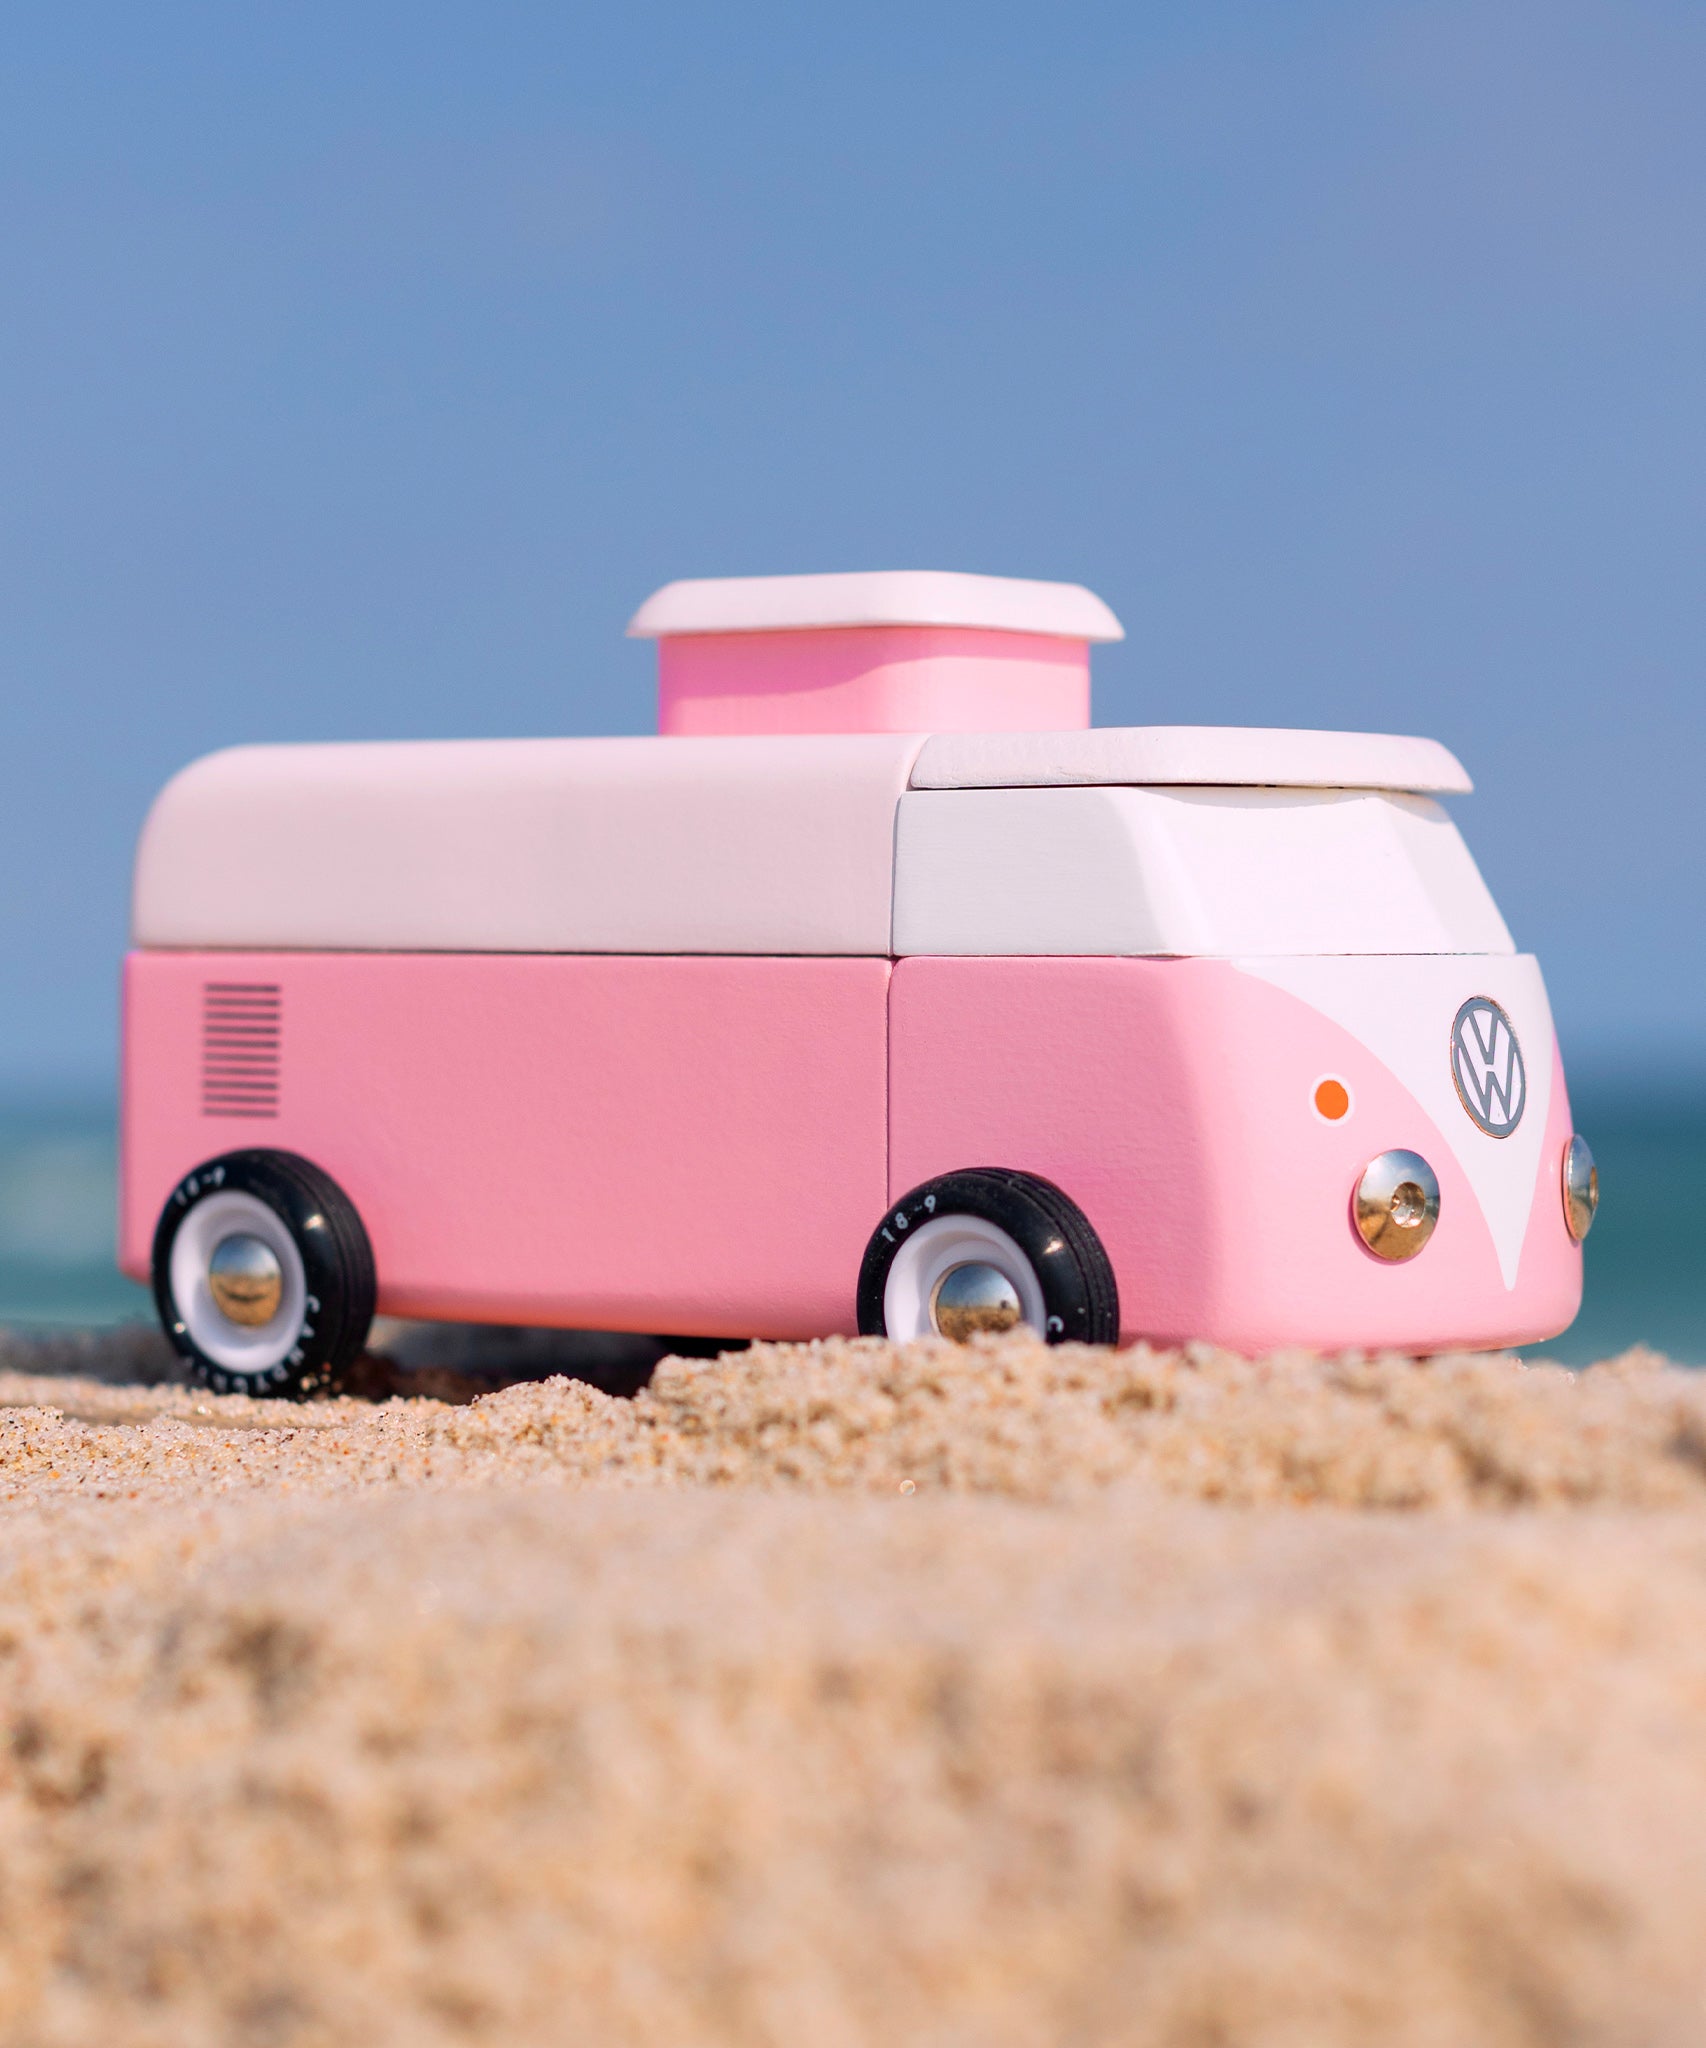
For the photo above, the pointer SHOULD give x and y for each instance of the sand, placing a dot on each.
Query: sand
(845, 1695)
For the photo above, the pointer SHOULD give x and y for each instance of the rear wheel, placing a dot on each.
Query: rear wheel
(984, 1251)
(263, 1275)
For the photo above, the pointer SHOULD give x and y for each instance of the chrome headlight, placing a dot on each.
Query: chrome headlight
(1396, 1205)
(1581, 1188)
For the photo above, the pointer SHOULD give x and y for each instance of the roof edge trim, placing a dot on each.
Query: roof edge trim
(1211, 756)
(900, 597)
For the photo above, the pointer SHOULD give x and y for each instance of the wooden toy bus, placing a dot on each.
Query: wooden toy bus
(877, 992)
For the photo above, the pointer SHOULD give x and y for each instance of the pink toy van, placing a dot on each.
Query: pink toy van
(878, 992)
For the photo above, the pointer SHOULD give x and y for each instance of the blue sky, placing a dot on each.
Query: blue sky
(361, 367)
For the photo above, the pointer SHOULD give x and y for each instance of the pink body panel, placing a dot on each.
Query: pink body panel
(870, 679)
(1172, 1100)
(703, 1145)
(687, 1145)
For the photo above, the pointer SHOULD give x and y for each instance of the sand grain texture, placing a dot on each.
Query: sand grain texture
(842, 1695)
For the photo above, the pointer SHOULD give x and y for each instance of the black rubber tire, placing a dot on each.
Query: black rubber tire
(1081, 1299)
(337, 1262)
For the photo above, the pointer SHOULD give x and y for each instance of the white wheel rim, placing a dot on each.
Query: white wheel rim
(934, 1249)
(215, 1336)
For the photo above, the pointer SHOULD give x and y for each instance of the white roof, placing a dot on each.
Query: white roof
(899, 597)
(761, 845)
(771, 844)
(1214, 756)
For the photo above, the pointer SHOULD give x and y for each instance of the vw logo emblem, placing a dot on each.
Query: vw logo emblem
(1486, 1064)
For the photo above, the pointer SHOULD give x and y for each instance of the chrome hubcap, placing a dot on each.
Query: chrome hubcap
(245, 1279)
(973, 1300)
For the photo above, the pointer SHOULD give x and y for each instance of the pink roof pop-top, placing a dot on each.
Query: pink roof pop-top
(897, 651)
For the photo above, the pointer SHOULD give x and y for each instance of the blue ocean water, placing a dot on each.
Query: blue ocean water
(58, 1159)
(1646, 1270)
(1645, 1265)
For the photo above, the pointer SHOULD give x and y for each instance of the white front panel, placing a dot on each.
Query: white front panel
(1185, 871)
(1404, 1015)
(764, 845)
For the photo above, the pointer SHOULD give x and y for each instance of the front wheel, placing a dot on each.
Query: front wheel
(263, 1275)
(984, 1251)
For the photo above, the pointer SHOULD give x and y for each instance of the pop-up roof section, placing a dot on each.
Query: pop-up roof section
(899, 651)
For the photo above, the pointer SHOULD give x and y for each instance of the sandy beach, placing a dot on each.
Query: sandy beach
(842, 1694)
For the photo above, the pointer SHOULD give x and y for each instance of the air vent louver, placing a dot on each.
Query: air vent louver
(241, 1023)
